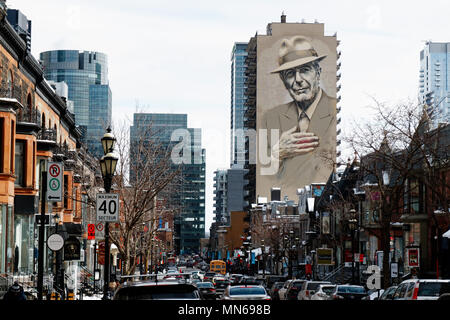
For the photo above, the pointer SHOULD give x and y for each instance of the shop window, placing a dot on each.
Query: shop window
(19, 163)
(10, 85)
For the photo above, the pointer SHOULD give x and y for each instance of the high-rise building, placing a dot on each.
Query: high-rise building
(290, 89)
(228, 193)
(21, 24)
(434, 81)
(189, 222)
(86, 74)
(238, 55)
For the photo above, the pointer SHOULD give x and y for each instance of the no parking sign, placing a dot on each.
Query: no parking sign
(55, 174)
(100, 230)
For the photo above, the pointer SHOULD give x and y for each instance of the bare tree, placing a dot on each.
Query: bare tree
(397, 145)
(144, 172)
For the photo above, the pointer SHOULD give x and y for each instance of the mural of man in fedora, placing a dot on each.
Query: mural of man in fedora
(307, 124)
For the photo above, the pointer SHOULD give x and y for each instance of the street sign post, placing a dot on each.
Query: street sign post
(108, 207)
(38, 218)
(100, 231)
(55, 242)
(55, 184)
(91, 231)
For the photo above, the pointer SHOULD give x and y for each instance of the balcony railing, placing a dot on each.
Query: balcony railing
(47, 134)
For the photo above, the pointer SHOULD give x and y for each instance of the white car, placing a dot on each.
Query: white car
(323, 292)
(283, 289)
(245, 292)
(309, 288)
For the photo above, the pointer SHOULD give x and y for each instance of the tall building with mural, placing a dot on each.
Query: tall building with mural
(291, 95)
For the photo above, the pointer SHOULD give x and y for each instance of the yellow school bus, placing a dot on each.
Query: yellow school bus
(218, 266)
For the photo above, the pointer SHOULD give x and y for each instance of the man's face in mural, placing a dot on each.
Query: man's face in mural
(302, 82)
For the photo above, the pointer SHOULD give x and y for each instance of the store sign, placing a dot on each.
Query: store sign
(324, 256)
(72, 249)
(413, 257)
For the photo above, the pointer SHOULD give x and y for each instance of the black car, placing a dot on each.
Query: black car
(274, 290)
(271, 279)
(349, 292)
(160, 290)
(207, 290)
(221, 284)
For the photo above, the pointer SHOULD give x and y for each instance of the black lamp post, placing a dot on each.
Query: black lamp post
(108, 166)
(353, 223)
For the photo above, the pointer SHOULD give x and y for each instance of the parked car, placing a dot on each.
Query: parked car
(388, 294)
(349, 292)
(294, 289)
(421, 289)
(309, 288)
(207, 290)
(283, 289)
(274, 290)
(323, 292)
(245, 292)
(161, 290)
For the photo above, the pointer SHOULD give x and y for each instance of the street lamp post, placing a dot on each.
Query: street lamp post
(108, 165)
(353, 224)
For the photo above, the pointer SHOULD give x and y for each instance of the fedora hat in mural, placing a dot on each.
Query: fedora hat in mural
(295, 52)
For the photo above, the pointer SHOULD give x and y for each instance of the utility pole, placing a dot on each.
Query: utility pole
(40, 280)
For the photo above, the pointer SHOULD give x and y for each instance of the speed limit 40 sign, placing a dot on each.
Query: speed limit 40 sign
(108, 207)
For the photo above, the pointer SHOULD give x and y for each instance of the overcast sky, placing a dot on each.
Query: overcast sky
(174, 56)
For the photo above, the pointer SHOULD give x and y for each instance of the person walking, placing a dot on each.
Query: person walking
(15, 293)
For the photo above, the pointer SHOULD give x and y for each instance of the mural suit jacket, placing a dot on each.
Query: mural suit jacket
(313, 167)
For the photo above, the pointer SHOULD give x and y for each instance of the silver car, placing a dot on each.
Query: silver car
(324, 292)
(245, 292)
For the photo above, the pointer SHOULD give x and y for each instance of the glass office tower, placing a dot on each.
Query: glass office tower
(238, 55)
(189, 198)
(86, 74)
(434, 81)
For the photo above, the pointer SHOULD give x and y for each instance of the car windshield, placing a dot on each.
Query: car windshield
(241, 291)
(297, 284)
(328, 290)
(433, 289)
(351, 290)
(205, 285)
(313, 285)
(158, 292)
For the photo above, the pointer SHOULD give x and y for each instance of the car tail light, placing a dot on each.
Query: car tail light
(337, 297)
(211, 289)
(307, 293)
(416, 291)
(268, 299)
